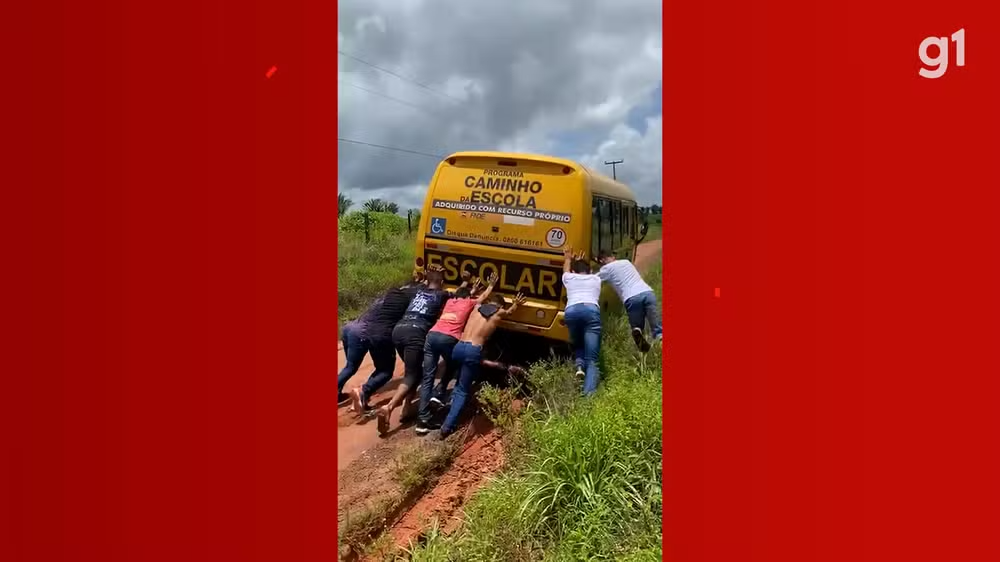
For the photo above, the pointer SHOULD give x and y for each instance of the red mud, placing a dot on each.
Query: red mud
(481, 458)
(356, 434)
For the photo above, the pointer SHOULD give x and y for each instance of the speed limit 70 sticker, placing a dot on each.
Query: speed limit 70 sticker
(555, 237)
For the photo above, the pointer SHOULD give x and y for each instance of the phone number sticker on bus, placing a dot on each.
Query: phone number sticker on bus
(536, 282)
(551, 216)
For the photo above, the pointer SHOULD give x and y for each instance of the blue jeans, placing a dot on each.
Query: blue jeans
(584, 323)
(469, 357)
(355, 348)
(436, 346)
(384, 356)
(642, 308)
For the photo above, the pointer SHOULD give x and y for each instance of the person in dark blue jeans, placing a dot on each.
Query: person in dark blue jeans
(355, 349)
(642, 309)
(440, 343)
(638, 297)
(354, 337)
(583, 317)
(468, 352)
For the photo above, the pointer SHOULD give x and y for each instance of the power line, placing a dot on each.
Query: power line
(388, 97)
(408, 151)
(401, 77)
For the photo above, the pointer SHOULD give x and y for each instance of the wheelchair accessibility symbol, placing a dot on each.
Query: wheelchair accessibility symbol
(438, 225)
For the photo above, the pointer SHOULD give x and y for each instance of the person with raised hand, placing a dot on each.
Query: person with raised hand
(638, 297)
(468, 352)
(583, 316)
(440, 343)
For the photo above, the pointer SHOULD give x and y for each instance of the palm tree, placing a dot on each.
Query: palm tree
(375, 205)
(343, 204)
(392, 208)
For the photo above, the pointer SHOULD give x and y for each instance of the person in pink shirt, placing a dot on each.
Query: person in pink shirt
(448, 328)
(439, 344)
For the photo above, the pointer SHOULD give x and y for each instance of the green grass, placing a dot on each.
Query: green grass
(655, 228)
(655, 232)
(365, 270)
(583, 477)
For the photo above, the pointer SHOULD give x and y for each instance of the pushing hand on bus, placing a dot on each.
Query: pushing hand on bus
(518, 300)
(489, 288)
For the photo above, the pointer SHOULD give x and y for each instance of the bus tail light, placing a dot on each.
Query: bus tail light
(420, 262)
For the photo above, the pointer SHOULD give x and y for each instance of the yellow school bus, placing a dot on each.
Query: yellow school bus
(513, 214)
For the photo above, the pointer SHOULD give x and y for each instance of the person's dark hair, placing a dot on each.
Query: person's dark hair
(435, 277)
(604, 254)
(580, 266)
(497, 299)
(463, 293)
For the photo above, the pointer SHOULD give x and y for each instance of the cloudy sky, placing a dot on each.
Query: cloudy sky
(572, 78)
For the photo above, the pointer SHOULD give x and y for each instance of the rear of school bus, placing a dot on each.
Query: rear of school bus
(512, 214)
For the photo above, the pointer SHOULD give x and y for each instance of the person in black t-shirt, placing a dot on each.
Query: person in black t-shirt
(357, 344)
(379, 335)
(408, 337)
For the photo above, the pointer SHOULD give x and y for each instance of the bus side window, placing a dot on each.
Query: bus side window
(595, 230)
(606, 242)
(616, 224)
(627, 210)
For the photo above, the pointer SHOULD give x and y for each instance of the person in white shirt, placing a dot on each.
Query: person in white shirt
(583, 317)
(638, 297)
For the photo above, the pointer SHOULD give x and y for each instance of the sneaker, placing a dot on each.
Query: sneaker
(383, 420)
(425, 428)
(437, 402)
(343, 398)
(579, 373)
(359, 402)
(640, 340)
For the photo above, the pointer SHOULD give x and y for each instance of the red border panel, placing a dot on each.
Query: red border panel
(170, 215)
(838, 400)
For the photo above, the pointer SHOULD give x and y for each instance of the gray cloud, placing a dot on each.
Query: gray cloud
(519, 75)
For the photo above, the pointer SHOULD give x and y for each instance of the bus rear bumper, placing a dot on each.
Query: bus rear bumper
(556, 332)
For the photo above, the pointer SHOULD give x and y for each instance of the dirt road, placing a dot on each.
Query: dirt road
(648, 253)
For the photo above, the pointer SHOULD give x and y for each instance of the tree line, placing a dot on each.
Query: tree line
(376, 205)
